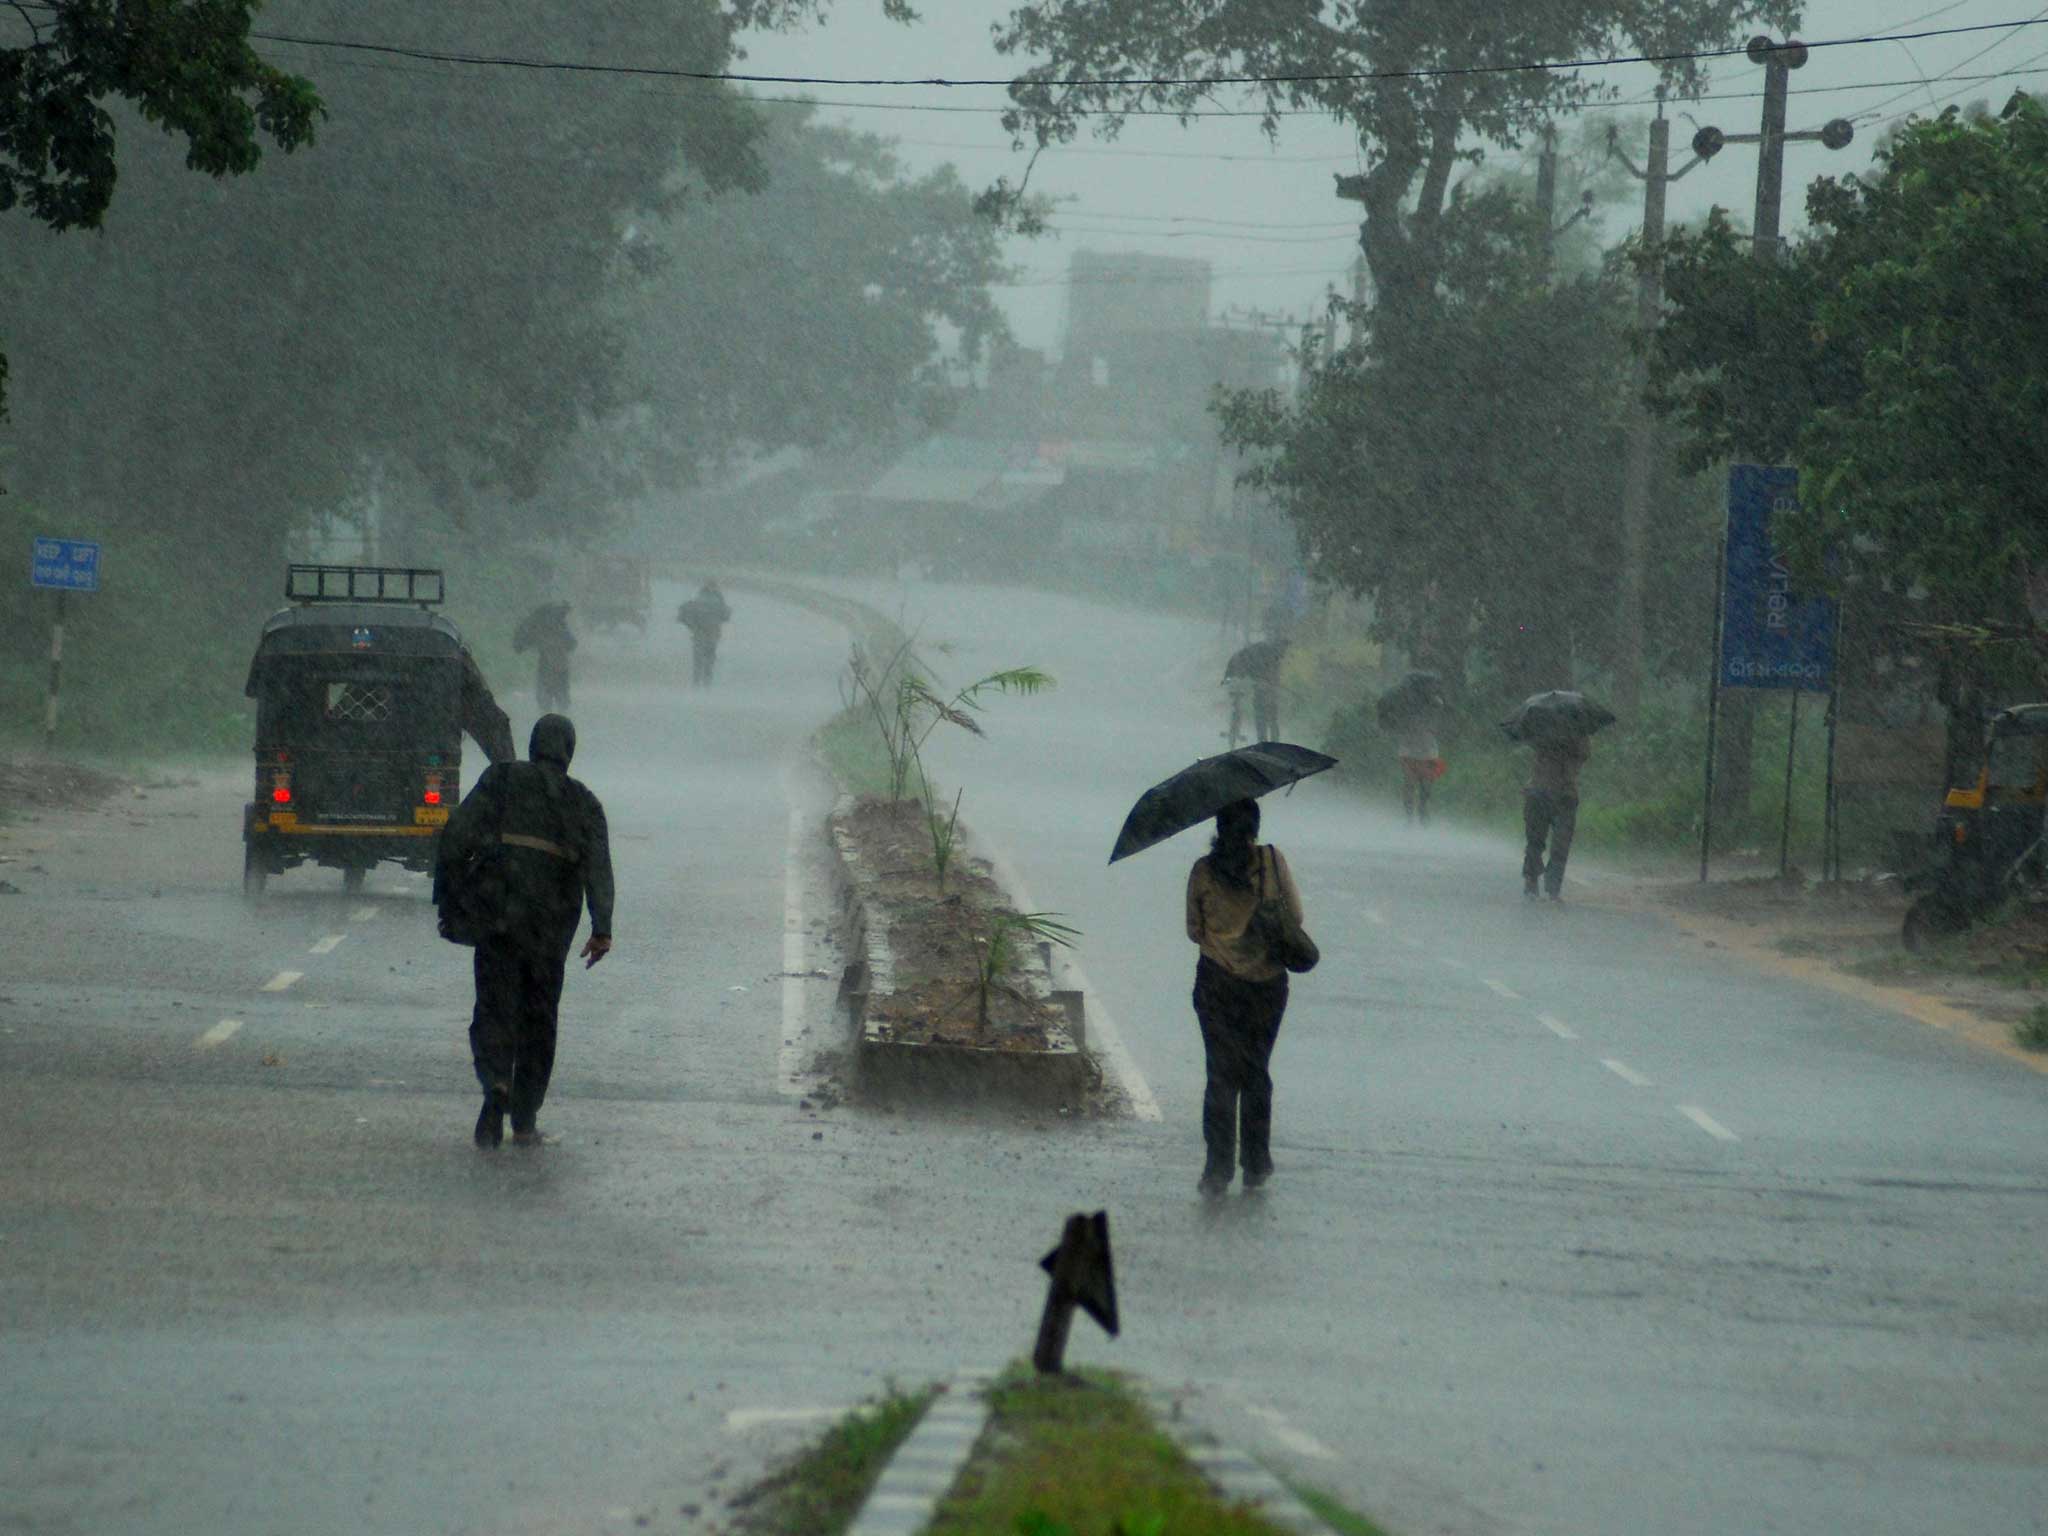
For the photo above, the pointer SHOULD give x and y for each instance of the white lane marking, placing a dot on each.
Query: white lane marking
(789, 1057)
(1299, 1441)
(361, 914)
(1626, 1073)
(1410, 940)
(1377, 918)
(1707, 1123)
(1557, 1027)
(220, 1034)
(740, 1420)
(1456, 965)
(1503, 989)
(1105, 1040)
(282, 981)
(328, 945)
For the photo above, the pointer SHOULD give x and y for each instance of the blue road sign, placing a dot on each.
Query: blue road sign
(1772, 636)
(69, 565)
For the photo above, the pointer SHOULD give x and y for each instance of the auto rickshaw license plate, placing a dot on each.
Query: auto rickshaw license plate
(430, 816)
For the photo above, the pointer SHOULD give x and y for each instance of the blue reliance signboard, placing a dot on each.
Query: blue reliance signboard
(1771, 635)
(69, 565)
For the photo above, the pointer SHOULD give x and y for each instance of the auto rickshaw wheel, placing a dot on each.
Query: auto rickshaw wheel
(1933, 916)
(352, 878)
(255, 873)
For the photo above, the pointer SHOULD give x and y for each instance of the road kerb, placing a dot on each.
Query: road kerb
(927, 1464)
(1235, 1475)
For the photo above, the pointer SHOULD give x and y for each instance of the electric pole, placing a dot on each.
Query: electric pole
(1730, 753)
(1655, 176)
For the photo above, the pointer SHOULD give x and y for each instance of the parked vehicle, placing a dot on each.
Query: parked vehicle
(362, 695)
(1988, 838)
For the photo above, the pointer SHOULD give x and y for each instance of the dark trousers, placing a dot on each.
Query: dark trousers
(551, 684)
(512, 1030)
(1266, 712)
(1547, 817)
(1240, 1021)
(703, 655)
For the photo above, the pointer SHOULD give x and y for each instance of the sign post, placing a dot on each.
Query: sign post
(64, 566)
(1769, 635)
(1081, 1277)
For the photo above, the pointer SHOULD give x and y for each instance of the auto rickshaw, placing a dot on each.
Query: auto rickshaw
(362, 695)
(1988, 843)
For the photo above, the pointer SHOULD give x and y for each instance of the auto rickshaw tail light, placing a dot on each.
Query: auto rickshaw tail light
(282, 795)
(1962, 833)
(432, 793)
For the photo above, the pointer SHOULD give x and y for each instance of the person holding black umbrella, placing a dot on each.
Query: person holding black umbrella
(1240, 993)
(1559, 725)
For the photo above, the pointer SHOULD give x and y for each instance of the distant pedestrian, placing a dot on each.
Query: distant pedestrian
(546, 633)
(518, 861)
(705, 616)
(1240, 993)
(1259, 664)
(1550, 811)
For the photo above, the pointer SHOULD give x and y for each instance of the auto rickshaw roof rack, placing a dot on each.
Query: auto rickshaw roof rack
(364, 584)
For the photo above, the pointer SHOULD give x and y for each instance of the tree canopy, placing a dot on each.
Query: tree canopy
(1894, 353)
(1424, 83)
(184, 65)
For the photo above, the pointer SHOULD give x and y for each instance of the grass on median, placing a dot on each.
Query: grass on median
(819, 1493)
(1079, 1456)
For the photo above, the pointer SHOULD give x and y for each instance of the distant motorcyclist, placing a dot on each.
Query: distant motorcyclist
(546, 632)
(518, 861)
(705, 616)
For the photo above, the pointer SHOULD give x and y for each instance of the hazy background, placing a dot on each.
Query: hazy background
(1265, 214)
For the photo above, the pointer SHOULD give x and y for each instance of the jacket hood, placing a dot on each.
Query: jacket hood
(553, 740)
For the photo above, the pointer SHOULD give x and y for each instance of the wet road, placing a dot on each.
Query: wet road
(1579, 1227)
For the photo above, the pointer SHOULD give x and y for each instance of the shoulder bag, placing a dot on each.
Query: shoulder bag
(1273, 924)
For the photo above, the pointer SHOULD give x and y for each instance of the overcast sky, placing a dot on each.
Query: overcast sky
(1265, 215)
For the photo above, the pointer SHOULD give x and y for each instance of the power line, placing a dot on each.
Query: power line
(1928, 85)
(1334, 77)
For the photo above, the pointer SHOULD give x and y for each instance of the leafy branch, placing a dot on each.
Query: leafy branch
(997, 950)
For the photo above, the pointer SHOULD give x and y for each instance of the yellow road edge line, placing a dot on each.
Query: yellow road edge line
(1920, 1007)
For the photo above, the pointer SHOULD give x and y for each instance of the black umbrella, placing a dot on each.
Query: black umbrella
(1414, 694)
(1559, 715)
(1203, 788)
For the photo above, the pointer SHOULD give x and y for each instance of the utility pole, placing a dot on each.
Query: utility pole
(1655, 176)
(1546, 191)
(1728, 767)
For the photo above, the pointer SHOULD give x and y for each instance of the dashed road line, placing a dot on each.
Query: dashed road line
(220, 1034)
(328, 945)
(1626, 1073)
(1410, 940)
(283, 981)
(361, 914)
(1557, 1027)
(1503, 989)
(1376, 917)
(1707, 1123)
(1454, 964)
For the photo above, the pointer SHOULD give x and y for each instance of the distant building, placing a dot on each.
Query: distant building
(1108, 456)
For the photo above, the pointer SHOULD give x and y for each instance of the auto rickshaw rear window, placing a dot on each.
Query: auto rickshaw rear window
(359, 703)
